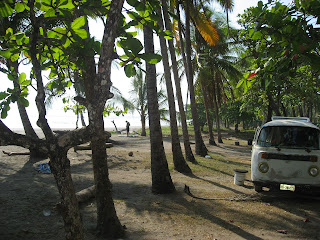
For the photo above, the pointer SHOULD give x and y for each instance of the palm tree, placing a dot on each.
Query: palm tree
(186, 141)
(178, 159)
(138, 99)
(161, 178)
(201, 149)
(209, 33)
(216, 69)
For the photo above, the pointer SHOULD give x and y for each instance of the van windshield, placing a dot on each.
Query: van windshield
(289, 137)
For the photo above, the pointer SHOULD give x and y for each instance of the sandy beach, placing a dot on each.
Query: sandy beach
(28, 198)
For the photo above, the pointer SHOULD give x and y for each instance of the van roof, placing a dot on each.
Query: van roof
(304, 119)
(289, 122)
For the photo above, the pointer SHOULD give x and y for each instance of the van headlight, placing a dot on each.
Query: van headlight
(263, 167)
(313, 171)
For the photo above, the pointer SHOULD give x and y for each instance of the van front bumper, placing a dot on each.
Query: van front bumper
(274, 186)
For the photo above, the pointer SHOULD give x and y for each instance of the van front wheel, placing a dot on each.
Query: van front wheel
(258, 188)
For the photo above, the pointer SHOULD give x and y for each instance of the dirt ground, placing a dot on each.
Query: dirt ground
(28, 198)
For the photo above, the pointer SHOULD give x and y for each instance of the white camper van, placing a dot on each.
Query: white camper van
(286, 155)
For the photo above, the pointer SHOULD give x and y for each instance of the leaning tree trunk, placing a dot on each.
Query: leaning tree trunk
(28, 129)
(179, 162)
(161, 178)
(201, 148)
(57, 149)
(71, 216)
(186, 141)
(216, 108)
(69, 207)
(209, 122)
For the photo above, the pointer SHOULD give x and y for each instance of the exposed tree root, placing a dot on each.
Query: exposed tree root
(243, 197)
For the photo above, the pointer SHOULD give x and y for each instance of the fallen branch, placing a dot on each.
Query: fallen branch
(16, 153)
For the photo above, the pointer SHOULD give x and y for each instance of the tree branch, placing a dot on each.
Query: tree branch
(8, 137)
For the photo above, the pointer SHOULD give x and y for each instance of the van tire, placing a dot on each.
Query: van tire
(258, 188)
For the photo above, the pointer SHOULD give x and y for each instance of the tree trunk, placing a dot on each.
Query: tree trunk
(186, 141)
(269, 114)
(28, 129)
(206, 105)
(216, 108)
(143, 123)
(108, 224)
(273, 105)
(60, 167)
(83, 123)
(201, 149)
(284, 111)
(161, 178)
(56, 149)
(179, 162)
(97, 88)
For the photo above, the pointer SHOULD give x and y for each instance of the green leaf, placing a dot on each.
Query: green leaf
(6, 53)
(3, 95)
(78, 23)
(132, 44)
(240, 83)
(9, 31)
(53, 73)
(81, 33)
(257, 35)
(23, 101)
(15, 57)
(151, 58)
(25, 83)
(69, 84)
(4, 112)
(67, 4)
(22, 77)
(130, 70)
(20, 38)
(50, 13)
(20, 7)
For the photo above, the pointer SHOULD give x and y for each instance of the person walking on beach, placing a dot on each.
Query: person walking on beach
(127, 128)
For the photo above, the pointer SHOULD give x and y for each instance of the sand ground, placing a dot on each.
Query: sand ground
(28, 198)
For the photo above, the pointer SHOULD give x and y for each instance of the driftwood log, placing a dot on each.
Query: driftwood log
(86, 194)
(82, 197)
(16, 153)
(88, 147)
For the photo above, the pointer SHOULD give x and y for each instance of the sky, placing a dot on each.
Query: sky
(56, 116)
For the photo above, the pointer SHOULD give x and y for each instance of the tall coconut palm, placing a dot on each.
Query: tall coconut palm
(216, 69)
(209, 33)
(161, 178)
(138, 99)
(186, 141)
(179, 162)
(201, 149)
